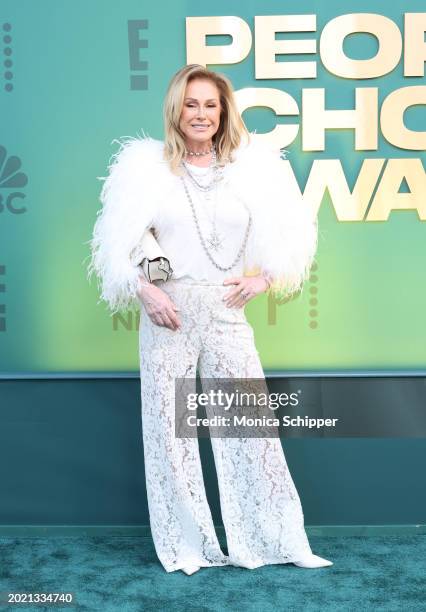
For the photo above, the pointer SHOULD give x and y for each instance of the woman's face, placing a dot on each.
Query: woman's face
(200, 116)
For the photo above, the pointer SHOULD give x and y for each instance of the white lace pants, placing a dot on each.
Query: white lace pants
(260, 506)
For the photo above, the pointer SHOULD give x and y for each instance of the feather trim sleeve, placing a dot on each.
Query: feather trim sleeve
(284, 241)
(127, 210)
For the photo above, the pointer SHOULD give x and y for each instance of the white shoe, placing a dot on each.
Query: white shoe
(312, 561)
(190, 569)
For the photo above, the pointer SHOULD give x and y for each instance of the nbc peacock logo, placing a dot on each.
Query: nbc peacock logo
(12, 180)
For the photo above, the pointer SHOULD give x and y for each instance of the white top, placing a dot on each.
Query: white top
(175, 230)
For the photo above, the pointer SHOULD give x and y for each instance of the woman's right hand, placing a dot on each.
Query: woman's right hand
(158, 305)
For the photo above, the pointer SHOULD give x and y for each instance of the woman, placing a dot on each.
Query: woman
(216, 202)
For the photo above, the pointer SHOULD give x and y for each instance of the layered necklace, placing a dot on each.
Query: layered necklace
(214, 241)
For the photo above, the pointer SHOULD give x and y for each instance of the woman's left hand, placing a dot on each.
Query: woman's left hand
(246, 288)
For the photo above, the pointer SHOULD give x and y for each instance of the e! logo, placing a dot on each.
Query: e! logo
(137, 81)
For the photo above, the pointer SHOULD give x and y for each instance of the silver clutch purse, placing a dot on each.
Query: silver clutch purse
(150, 257)
(156, 269)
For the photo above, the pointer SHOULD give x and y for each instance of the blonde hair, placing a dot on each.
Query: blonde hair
(231, 128)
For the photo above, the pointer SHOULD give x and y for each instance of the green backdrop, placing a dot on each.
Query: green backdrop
(67, 94)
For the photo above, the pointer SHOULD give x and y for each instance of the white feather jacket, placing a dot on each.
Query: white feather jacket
(283, 235)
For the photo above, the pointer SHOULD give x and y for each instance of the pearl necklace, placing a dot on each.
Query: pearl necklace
(200, 152)
(214, 172)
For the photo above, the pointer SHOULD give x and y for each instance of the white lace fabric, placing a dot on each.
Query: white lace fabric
(260, 506)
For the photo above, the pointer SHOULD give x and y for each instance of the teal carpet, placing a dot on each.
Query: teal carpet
(123, 574)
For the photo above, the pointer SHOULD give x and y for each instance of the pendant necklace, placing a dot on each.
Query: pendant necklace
(215, 239)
